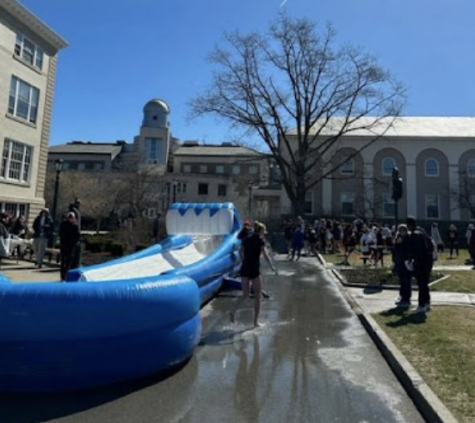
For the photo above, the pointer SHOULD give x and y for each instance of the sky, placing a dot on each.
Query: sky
(123, 53)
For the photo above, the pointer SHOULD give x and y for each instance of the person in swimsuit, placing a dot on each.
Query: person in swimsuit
(251, 249)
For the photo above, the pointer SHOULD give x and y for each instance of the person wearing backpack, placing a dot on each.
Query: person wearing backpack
(421, 259)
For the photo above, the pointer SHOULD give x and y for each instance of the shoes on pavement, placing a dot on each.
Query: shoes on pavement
(403, 304)
(420, 310)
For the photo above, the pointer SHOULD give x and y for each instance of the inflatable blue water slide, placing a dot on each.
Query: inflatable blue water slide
(120, 320)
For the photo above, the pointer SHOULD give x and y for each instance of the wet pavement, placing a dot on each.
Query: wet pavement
(311, 361)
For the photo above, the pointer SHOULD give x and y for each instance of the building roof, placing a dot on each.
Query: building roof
(21, 13)
(86, 148)
(407, 126)
(216, 150)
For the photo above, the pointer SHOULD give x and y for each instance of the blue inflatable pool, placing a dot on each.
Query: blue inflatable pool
(124, 319)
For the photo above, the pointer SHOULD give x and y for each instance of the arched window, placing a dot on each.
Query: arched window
(388, 165)
(471, 168)
(348, 168)
(431, 167)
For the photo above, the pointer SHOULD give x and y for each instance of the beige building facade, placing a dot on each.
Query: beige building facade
(28, 58)
(435, 157)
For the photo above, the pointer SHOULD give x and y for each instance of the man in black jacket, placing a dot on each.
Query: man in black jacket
(421, 259)
(69, 239)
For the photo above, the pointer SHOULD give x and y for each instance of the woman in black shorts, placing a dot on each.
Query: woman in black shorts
(251, 249)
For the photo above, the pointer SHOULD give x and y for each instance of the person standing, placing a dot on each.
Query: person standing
(453, 237)
(68, 238)
(4, 235)
(42, 231)
(420, 258)
(435, 235)
(401, 255)
(251, 250)
(75, 208)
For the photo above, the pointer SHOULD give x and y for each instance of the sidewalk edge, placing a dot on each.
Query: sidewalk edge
(427, 402)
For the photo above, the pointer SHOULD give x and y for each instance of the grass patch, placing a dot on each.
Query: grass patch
(380, 276)
(440, 347)
(462, 281)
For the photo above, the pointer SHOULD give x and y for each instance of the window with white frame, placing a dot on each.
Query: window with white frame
(388, 205)
(28, 51)
(253, 170)
(203, 168)
(347, 204)
(432, 206)
(431, 167)
(236, 169)
(348, 167)
(219, 169)
(471, 168)
(388, 164)
(187, 168)
(23, 101)
(16, 161)
(181, 187)
(15, 209)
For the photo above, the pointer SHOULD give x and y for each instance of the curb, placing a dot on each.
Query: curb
(426, 401)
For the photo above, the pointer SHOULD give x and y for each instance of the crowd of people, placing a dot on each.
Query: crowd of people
(42, 234)
(412, 250)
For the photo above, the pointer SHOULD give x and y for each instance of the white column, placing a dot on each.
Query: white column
(410, 184)
(454, 185)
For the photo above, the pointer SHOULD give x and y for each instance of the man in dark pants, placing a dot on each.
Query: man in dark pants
(422, 260)
(69, 240)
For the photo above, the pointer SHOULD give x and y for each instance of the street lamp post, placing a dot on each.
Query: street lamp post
(397, 192)
(58, 166)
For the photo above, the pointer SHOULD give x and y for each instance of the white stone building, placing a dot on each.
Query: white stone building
(435, 157)
(28, 56)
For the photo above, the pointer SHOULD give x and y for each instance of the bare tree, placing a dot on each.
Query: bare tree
(463, 195)
(294, 77)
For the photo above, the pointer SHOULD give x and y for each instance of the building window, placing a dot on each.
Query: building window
(202, 189)
(471, 168)
(308, 206)
(181, 187)
(236, 169)
(152, 154)
(187, 168)
(23, 102)
(16, 161)
(471, 205)
(81, 166)
(15, 209)
(432, 206)
(388, 205)
(97, 165)
(388, 165)
(253, 170)
(222, 190)
(203, 169)
(28, 51)
(219, 169)
(347, 201)
(348, 168)
(431, 167)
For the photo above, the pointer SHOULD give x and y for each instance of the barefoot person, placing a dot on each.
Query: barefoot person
(251, 249)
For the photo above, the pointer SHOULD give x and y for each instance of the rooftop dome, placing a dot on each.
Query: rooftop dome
(157, 103)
